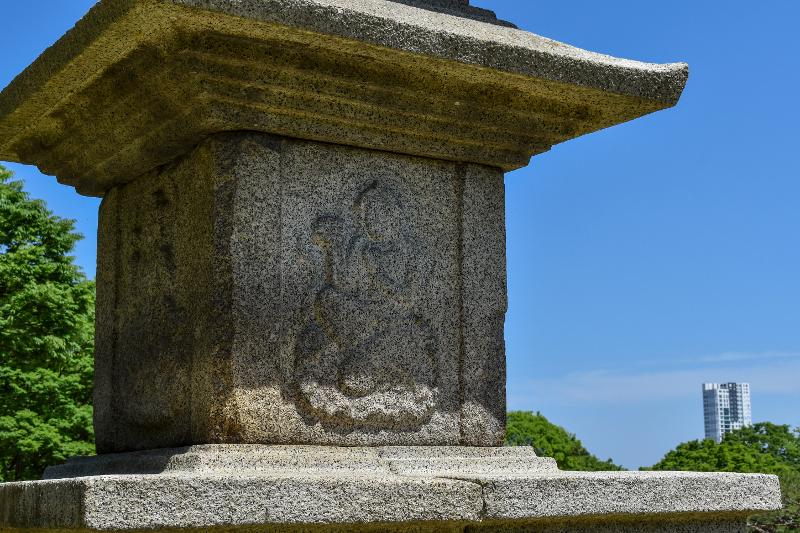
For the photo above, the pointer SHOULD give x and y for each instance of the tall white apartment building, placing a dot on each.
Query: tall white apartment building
(726, 408)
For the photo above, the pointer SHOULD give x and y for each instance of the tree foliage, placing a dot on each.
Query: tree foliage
(549, 440)
(763, 448)
(46, 338)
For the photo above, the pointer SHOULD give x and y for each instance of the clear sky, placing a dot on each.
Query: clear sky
(643, 259)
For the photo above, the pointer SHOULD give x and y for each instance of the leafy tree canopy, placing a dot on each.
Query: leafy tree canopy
(549, 440)
(46, 338)
(763, 448)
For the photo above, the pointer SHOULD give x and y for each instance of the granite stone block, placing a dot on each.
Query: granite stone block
(403, 489)
(271, 290)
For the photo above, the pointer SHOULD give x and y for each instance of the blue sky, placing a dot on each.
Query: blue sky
(643, 259)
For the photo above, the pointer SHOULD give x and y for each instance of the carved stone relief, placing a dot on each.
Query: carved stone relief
(269, 291)
(366, 356)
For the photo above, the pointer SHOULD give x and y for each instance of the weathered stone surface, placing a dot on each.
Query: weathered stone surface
(565, 494)
(394, 489)
(270, 290)
(254, 459)
(124, 503)
(138, 83)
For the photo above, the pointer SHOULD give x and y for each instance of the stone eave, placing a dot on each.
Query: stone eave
(137, 83)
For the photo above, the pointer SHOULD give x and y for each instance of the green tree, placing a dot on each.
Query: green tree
(46, 338)
(763, 448)
(549, 440)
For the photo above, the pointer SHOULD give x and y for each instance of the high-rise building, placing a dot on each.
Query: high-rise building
(726, 408)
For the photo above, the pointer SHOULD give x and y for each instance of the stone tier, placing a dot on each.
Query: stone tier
(307, 488)
(138, 83)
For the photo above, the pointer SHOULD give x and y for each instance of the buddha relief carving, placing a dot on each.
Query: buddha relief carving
(366, 357)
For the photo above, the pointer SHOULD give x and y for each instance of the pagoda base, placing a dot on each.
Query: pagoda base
(313, 488)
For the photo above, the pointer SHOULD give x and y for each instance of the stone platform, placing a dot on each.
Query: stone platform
(315, 488)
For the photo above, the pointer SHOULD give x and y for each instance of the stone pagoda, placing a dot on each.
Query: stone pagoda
(301, 281)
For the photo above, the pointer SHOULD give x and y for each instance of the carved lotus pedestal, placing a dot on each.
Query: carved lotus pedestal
(301, 268)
